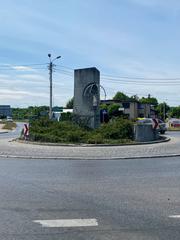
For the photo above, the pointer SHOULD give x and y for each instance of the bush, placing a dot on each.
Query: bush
(117, 129)
(95, 139)
(66, 116)
(76, 136)
(45, 130)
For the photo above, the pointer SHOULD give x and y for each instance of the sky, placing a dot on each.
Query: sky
(134, 43)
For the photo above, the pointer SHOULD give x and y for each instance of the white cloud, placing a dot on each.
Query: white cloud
(33, 77)
(33, 89)
(20, 94)
(22, 68)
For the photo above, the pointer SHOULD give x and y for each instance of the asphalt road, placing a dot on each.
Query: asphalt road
(130, 199)
(13, 134)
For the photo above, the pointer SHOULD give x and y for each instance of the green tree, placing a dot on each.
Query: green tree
(104, 106)
(175, 112)
(149, 100)
(134, 97)
(113, 109)
(161, 109)
(69, 104)
(26, 113)
(121, 96)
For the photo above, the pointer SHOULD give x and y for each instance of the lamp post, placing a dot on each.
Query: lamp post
(51, 65)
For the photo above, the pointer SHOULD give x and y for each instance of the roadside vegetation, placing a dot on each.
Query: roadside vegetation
(174, 129)
(9, 125)
(116, 131)
(22, 114)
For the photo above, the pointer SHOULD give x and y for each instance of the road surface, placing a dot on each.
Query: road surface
(124, 199)
(12, 134)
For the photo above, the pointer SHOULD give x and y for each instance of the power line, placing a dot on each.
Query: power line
(157, 80)
(122, 82)
(64, 72)
(139, 78)
(22, 65)
(175, 81)
(104, 76)
(72, 69)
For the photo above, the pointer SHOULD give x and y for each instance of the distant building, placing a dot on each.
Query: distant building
(133, 109)
(5, 110)
(57, 114)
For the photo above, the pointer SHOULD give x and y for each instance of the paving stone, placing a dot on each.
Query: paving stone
(103, 152)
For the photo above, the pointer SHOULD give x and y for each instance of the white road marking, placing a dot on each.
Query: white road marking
(174, 216)
(61, 223)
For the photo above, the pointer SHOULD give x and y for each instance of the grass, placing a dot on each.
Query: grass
(9, 125)
(174, 129)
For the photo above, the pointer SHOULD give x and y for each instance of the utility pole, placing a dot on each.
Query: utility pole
(50, 80)
(51, 65)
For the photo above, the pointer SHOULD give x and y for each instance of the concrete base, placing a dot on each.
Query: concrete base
(145, 133)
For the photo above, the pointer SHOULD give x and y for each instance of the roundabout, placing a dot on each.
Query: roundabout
(13, 149)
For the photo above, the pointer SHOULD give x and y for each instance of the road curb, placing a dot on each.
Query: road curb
(162, 140)
(3, 132)
(87, 159)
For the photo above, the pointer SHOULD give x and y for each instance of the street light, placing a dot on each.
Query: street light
(51, 65)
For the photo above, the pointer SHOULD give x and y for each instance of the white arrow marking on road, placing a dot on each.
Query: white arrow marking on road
(61, 223)
(174, 216)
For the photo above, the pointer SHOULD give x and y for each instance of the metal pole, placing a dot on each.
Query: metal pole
(50, 79)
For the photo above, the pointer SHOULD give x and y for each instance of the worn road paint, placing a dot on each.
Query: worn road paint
(174, 216)
(61, 223)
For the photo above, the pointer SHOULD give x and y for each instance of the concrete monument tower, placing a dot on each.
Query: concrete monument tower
(87, 96)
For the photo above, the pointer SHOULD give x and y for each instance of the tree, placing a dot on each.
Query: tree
(113, 110)
(121, 96)
(134, 97)
(104, 106)
(26, 113)
(175, 112)
(162, 110)
(149, 100)
(69, 104)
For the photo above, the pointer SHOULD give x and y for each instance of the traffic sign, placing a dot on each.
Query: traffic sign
(26, 130)
(155, 123)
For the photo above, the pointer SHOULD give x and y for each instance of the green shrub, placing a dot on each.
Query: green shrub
(95, 139)
(75, 136)
(115, 131)
(66, 116)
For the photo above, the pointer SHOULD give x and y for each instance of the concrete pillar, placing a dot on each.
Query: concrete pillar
(145, 133)
(87, 96)
(133, 110)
